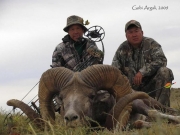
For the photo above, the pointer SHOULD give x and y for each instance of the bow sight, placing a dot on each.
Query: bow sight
(96, 33)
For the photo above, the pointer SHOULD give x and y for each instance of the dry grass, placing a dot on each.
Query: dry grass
(175, 98)
(24, 127)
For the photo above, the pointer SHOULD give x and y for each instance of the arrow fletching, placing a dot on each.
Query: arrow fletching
(168, 85)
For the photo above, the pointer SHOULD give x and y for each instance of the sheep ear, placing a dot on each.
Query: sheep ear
(51, 82)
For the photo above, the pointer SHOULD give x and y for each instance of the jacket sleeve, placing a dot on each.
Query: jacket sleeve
(116, 62)
(157, 59)
(57, 59)
(94, 51)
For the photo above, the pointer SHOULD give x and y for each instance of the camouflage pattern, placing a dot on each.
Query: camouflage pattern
(74, 20)
(132, 22)
(67, 56)
(150, 60)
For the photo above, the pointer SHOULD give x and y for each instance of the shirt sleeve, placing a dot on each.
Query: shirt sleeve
(157, 60)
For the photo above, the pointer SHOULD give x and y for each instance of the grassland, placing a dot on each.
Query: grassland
(24, 127)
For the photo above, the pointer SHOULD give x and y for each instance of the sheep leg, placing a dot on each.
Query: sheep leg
(138, 124)
(138, 121)
(153, 103)
(155, 114)
(139, 106)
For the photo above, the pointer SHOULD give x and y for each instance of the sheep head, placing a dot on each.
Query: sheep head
(77, 90)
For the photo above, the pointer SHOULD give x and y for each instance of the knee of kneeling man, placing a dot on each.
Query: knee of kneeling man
(164, 71)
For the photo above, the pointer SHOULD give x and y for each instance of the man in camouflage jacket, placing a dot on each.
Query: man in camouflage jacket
(76, 52)
(142, 60)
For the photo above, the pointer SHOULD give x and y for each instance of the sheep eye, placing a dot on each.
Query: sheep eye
(60, 98)
(92, 97)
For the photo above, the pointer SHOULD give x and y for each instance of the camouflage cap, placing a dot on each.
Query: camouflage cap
(74, 20)
(132, 22)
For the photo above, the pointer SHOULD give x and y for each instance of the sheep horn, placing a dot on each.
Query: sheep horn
(32, 115)
(115, 114)
(51, 82)
(106, 77)
(111, 79)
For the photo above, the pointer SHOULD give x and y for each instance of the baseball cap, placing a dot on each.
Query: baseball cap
(132, 22)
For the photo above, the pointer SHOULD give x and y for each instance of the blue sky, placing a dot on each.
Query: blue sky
(30, 30)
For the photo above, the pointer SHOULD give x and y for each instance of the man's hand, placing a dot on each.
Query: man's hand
(95, 52)
(138, 79)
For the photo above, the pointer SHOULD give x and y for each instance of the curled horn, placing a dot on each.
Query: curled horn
(32, 115)
(51, 82)
(113, 117)
(110, 78)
